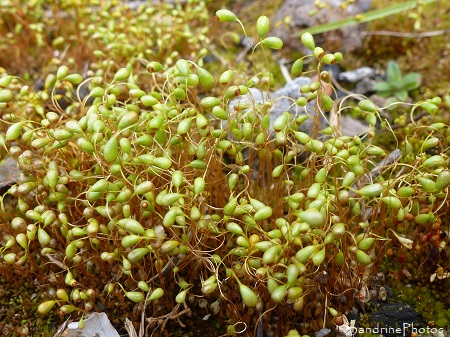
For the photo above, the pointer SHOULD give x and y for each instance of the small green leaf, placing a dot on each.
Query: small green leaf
(402, 95)
(393, 73)
(411, 81)
(383, 88)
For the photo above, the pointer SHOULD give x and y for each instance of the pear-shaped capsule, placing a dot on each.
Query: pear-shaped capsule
(443, 180)
(273, 42)
(313, 217)
(263, 213)
(305, 253)
(372, 190)
(137, 254)
(279, 293)
(135, 296)
(206, 79)
(121, 75)
(308, 41)
(366, 243)
(62, 294)
(45, 307)
(224, 15)
(363, 258)
(318, 257)
(262, 26)
(14, 131)
(248, 296)
(156, 294)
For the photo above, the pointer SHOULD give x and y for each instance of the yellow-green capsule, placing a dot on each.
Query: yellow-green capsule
(273, 42)
(45, 307)
(62, 72)
(262, 26)
(14, 131)
(121, 75)
(392, 202)
(339, 259)
(210, 102)
(271, 255)
(363, 258)
(366, 243)
(226, 77)
(367, 105)
(430, 143)
(168, 246)
(224, 15)
(170, 198)
(39, 143)
(62, 295)
(199, 185)
(263, 213)
(156, 294)
(144, 187)
(308, 41)
(170, 217)
(373, 190)
(327, 102)
(198, 164)
(162, 162)
(43, 237)
(248, 296)
(434, 161)
(305, 253)
(279, 293)
(128, 119)
(137, 254)
(313, 217)
(130, 240)
(71, 250)
(100, 186)
(206, 79)
(74, 78)
(292, 273)
(427, 184)
(230, 207)
(132, 226)
(135, 296)
(153, 67)
(234, 228)
(297, 68)
(443, 180)
(278, 170)
(183, 67)
(124, 195)
(281, 121)
(405, 191)
(318, 257)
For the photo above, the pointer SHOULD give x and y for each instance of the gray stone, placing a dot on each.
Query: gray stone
(9, 173)
(345, 39)
(283, 100)
(351, 126)
(96, 325)
(357, 74)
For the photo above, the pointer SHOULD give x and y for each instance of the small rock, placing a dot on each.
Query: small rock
(322, 332)
(351, 126)
(9, 173)
(283, 100)
(96, 324)
(356, 75)
(304, 14)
